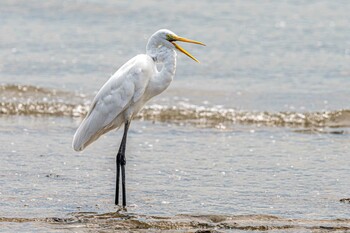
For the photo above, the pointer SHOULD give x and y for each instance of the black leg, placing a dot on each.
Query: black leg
(123, 181)
(117, 180)
(121, 164)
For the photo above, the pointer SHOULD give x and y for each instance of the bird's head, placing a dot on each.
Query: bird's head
(169, 38)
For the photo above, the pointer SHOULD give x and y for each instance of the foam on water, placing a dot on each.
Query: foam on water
(37, 101)
(281, 76)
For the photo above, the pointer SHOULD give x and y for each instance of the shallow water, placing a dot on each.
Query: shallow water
(256, 137)
(176, 170)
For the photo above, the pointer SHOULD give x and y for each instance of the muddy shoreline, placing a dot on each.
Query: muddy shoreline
(121, 221)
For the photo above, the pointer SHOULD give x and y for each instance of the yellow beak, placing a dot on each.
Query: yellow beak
(178, 38)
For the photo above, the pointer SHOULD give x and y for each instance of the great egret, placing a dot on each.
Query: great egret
(126, 92)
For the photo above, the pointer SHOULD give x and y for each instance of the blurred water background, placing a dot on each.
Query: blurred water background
(259, 127)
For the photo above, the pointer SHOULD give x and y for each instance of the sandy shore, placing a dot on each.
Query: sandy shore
(118, 221)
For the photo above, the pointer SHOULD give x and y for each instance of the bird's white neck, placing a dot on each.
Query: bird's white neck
(165, 58)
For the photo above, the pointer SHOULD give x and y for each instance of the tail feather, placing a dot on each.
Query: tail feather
(89, 131)
(84, 136)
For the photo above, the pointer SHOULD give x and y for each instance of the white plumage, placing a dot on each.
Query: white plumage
(120, 98)
(126, 92)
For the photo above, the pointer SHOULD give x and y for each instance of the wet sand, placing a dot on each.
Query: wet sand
(255, 138)
(123, 221)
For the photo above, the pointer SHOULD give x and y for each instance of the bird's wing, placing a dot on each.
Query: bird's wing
(125, 87)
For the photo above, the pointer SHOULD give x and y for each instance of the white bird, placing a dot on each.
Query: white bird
(127, 91)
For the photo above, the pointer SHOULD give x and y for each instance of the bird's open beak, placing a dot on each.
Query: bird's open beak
(178, 38)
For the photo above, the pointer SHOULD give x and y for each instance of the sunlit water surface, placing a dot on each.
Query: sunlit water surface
(260, 127)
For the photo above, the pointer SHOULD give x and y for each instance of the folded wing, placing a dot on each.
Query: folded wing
(120, 92)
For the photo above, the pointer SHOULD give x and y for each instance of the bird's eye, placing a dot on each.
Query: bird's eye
(170, 38)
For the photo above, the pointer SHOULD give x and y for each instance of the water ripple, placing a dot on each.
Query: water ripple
(36, 101)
